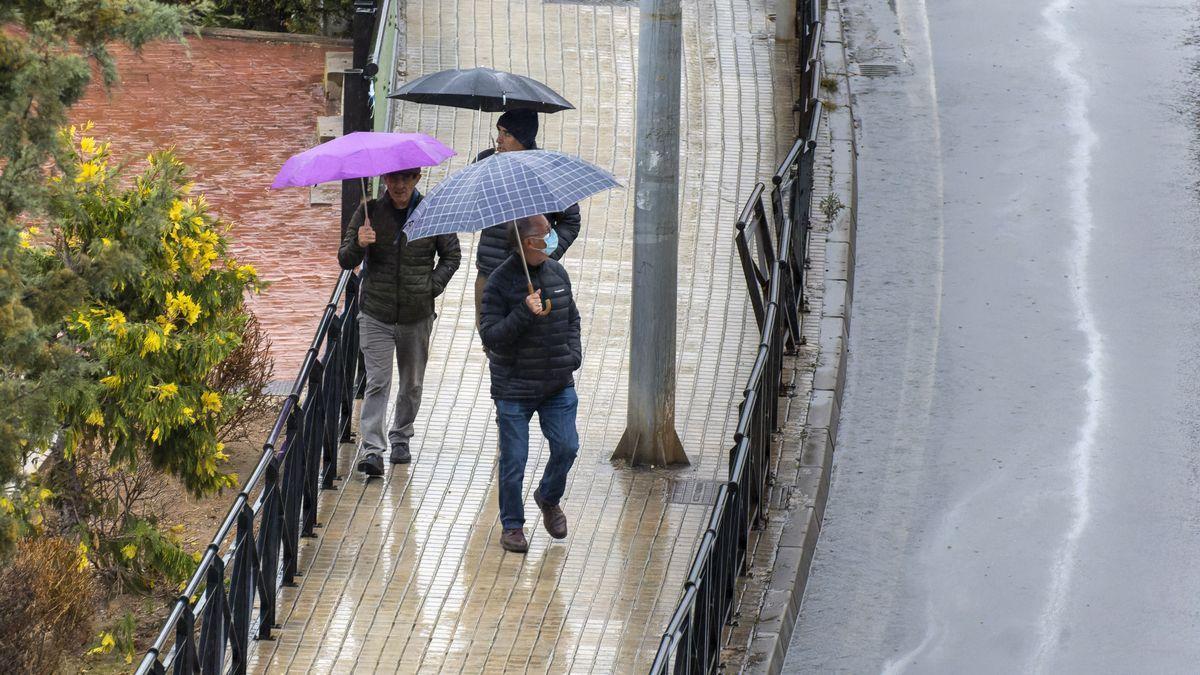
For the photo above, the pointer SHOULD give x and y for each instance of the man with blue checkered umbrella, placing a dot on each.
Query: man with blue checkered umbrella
(529, 322)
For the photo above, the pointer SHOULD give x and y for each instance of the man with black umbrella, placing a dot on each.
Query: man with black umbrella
(516, 130)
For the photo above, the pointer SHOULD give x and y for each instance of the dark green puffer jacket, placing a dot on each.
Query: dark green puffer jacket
(400, 278)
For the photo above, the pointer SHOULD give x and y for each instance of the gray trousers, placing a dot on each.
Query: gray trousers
(408, 344)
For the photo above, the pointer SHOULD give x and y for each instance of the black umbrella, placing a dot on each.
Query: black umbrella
(482, 89)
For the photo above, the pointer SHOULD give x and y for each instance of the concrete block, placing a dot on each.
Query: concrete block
(834, 325)
(832, 29)
(329, 127)
(823, 412)
(336, 63)
(834, 59)
(775, 605)
(325, 193)
(841, 122)
(839, 262)
(795, 532)
(808, 485)
(831, 365)
(765, 654)
(835, 300)
(787, 561)
(818, 450)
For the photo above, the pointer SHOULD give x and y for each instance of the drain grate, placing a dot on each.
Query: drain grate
(694, 491)
(704, 491)
(878, 69)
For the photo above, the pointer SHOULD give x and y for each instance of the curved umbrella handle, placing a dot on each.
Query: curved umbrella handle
(525, 266)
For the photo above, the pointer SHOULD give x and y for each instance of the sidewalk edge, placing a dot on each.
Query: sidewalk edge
(789, 575)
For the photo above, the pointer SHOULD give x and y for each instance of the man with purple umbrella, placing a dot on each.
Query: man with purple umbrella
(400, 280)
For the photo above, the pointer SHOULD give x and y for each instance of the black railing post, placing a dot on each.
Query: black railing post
(214, 631)
(332, 403)
(270, 535)
(314, 437)
(292, 494)
(187, 661)
(243, 581)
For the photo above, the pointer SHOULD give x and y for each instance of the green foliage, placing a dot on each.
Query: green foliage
(47, 48)
(163, 308)
(21, 511)
(831, 205)
(292, 16)
(140, 555)
(122, 638)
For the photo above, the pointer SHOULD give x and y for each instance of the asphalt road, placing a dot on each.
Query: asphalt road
(1016, 487)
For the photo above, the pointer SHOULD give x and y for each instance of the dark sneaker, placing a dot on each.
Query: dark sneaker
(400, 453)
(552, 517)
(514, 540)
(372, 465)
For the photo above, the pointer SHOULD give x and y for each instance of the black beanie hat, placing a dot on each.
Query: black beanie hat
(522, 124)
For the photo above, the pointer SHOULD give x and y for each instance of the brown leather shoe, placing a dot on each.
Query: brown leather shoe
(552, 517)
(514, 540)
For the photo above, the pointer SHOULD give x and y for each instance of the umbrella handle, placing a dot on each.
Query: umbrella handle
(545, 301)
(366, 211)
(525, 266)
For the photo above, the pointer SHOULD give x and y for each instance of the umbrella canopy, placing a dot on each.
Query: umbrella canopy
(504, 187)
(482, 89)
(361, 154)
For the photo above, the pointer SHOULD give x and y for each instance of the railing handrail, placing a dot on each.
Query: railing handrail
(210, 552)
(748, 466)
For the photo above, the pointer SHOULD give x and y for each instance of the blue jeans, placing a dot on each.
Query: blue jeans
(557, 417)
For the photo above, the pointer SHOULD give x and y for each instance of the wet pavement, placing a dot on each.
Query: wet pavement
(235, 110)
(408, 573)
(1016, 483)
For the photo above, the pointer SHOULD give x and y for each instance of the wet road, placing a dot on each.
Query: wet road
(1016, 484)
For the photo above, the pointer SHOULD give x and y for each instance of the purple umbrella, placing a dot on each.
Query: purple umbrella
(361, 154)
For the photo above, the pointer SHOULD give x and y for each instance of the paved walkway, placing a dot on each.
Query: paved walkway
(408, 573)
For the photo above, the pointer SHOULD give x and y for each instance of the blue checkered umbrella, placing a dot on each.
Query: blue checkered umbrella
(504, 187)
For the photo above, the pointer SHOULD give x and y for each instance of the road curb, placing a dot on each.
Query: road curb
(803, 517)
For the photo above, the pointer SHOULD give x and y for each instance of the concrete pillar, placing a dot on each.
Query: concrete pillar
(650, 437)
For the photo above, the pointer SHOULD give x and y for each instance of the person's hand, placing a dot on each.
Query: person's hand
(366, 236)
(534, 303)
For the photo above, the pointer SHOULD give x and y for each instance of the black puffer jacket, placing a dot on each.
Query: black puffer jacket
(495, 243)
(531, 357)
(400, 280)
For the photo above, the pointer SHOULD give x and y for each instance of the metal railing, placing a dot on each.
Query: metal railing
(276, 506)
(773, 262)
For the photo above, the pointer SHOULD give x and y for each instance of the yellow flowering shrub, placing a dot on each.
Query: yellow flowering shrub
(164, 309)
